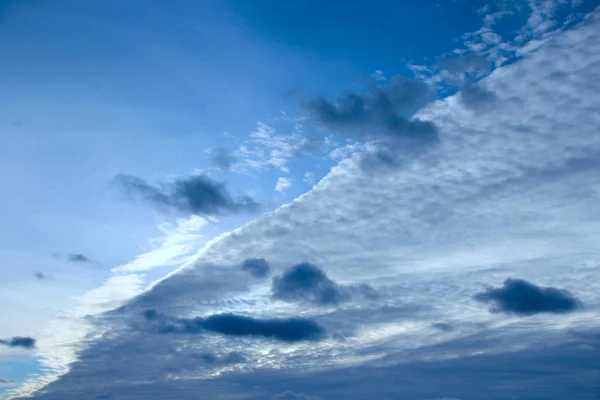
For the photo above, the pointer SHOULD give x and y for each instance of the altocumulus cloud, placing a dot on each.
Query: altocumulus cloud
(198, 194)
(308, 283)
(24, 342)
(284, 329)
(517, 296)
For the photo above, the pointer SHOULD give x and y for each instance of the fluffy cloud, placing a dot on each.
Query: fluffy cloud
(517, 296)
(283, 184)
(24, 342)
(197, 195)
(257, 267)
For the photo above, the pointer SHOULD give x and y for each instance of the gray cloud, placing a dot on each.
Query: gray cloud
(308, 283)
(40, 275)
(381, 112)
(283, 329)
(476, 96)
(289, 395)
(197, 194)
(78, 258)
(24, 342)
(520, 297)
(221, 158)
(257, 267)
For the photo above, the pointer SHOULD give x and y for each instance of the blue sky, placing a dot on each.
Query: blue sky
(413, 174)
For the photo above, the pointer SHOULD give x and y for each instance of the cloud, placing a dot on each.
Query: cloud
(221, 158)
(306, 282)
(24, 342)
(198, 194)
(78, 258)
(283, 329)
(476, 97)
(309, 178)
(257, 267)
(283, 184)
(289, 395)
(383, 111)
(40, 275)
(517, 296)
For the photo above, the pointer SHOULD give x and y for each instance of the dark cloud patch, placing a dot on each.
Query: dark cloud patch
(306, 282)
(19, 342)
(443, 326)
(383, 111)
(198, 194)
(221, 158)
(40, 275)
(476, 97)
(213, 359)
(284, 329)
(78, 258)
(520, 297)
(257, 267)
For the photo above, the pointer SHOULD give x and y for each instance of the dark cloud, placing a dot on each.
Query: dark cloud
(40, 275)
(306, 282)
(518, 296)
(197, 194)
(227, 359)
(78, 258)
(381, 112)
(257, 267)
(284, 329)
(476, 97)
(19, 341)
(443, 326)
(221, 158)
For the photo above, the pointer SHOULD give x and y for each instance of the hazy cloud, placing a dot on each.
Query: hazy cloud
(40, 275)
(257, 267)
(517, 296)
(24, 342)
(221, 158)
(383, 111)
(283, 184)
(198, 194)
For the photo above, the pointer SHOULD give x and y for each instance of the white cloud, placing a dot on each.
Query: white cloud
(309, 178)
(283, 184)
(508, 193)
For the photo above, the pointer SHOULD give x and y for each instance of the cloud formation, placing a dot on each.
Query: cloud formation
(78, 258)
(283, 329)
(40, 275)
(517, 296)
(383, 111)
(221, 158)
(198, 194)
(24, 342)
(257, 267)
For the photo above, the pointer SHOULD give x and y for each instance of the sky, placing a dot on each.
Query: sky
(301, 200)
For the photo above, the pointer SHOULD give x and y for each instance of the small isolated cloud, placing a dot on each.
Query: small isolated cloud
(517, 296)
(283, 329)
(198, 194)
(23, 342)
(40, 275)
(306, 282)
(309, 178)
(283, 184)
(78, 258)
(257, 267)
(382, 112)
(289, 395)
(221, 158)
